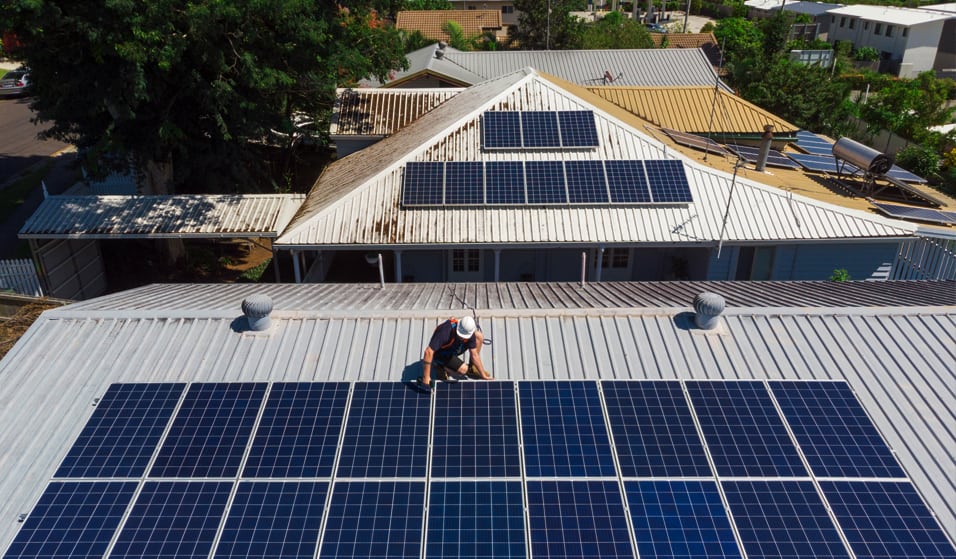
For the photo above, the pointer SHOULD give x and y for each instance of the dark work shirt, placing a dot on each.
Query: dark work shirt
(446, 343)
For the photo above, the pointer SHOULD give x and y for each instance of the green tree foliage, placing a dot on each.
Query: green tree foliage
(458, 40)
(921, 160)
(739, 38)
(910, 107)
(537, 29)
(615, 31)
(189, 90)
(414, 40)
(776, 31)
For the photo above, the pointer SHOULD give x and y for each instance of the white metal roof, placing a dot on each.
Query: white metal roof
(356, 202)
(890, 14)
(196, 216)
(800, 6)
(380, 112)
(900, 361)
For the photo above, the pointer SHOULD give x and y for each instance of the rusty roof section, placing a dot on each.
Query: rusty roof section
(431, 23)
(683, 40)
(689, 109)
(381, 112)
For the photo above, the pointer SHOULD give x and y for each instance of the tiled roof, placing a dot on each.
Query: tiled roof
(380, 112)
(431, 23)
(683, 40)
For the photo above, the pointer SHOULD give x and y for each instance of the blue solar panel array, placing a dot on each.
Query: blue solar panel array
(774, 158)
(824, 164)
(510, 130)
(688, 469)
(817, 145)
(813, 144)
(576, 182)
(918, 214)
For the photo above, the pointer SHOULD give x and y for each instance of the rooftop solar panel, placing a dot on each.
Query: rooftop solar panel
(695, 141)
(209, 433)
(577, 129)
(743, 431)
(121, 436)
(918, 214)
(273, 519)
(476, 431)
(782, 518)
(173, 519)
(586, 182)
(654, 430)
(833, 430)
(504, 182)
(423, 183)
(464, 183)
(75, 519)
(667, 181)
(563, 429)
(475, 519)
(886, 519)
(823, 164)
(545, 182)
(577, 519)
(501, 129)
(386, 434)
(299, 430)
(774, 158)
(680, 520)
(540, 129)
(902, 174)
(374, 519)
(627, 182)
(811, 143)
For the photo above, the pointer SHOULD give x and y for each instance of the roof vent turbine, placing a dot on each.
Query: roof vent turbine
(257, 309)
(708, 307)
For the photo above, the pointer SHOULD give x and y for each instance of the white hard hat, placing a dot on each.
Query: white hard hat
(466, 327)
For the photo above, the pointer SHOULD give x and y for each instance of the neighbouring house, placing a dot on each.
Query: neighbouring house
(910, 40)
(810, 418)
(509, 16)
(431, 23)
(762, 9)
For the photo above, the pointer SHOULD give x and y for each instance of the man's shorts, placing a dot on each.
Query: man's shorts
(454, 363)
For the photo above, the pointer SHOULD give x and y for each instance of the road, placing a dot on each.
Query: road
(19, 146)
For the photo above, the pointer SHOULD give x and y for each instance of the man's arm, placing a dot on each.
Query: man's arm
(427, 365)
(476, 356)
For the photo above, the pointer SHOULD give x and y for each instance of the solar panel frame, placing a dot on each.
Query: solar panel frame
(121, 436)
(73, 518)
(545, 183)
(476, 431)
(696, 141)
(902, 174)
(667, 181)
(577, 129)
(918, 214)
(835, 434)
(654, 430)
(563, 430)
(298, 433)
(743, 431)
(210, 432)
(813, 144)
(464, 183)
(586, 182)
(539, 130)
(501, 130)
(627, 181)
(775, 158)
(480, 518)
(374, 519)
(423, 183)
(504, 183)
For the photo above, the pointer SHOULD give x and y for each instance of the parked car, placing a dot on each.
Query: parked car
(15, 83)
(655, 28)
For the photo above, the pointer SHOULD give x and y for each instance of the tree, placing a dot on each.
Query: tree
(776, 31)
(189, 91)
(739, 38)
(910, 107)
(539, 29)
(615, 31)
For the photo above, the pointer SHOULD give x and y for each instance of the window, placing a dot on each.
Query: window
(889, 30)
(878, 29)
(852, 23)
(842, 21)
(616, 258)
(866, 25)
(507, 9)
(465, 260)
(906, 31)
(755, 263)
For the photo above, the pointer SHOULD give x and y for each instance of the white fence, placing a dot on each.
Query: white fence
(925, 258)
(20, 276)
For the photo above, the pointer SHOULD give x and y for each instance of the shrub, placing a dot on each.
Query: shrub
(840, 274)
(866, 54)
(919, 159)
(708, 27)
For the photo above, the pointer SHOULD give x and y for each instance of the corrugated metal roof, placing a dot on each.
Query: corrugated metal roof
(694, 109)
(197, 216)
(891, 14)
(899, 361)
(380, 112)
(356, 201)
(431, 23)
(800, 7)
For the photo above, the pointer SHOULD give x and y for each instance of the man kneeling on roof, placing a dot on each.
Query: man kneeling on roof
(449, 342)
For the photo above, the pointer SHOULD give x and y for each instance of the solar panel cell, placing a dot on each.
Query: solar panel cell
(423, 183)
(501, 129)
(667, 181)
(504, 182)
(586, 182)
(475, 519)
(813, 144)
(577, 129)
(824, 164)
(627, 182)
(375, 519)
(464, 183)
(540, 129)
(902, 174)
(545, 182)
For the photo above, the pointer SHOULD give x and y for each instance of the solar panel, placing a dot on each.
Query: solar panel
(833, 430)
(273, 519)
(386, 433)
(918, 214)
(545, 182)
(210, 432)
(813, 144)
(563, 429)
(504, 182)
(299, 430)
(823, 164)
(902, 174)
(75, 519)
(743, 431)
(886, 519)
(695, 141)
(121, 436)
(476, 431)
(501, 129)
(423, 183)
(679, 520)
(577, 129)
(774, 158)
(464, 183)
(627, 182)
(782, 518)
(475, 519)
(667, 181)
(375, 519)
(654, 430)
(173, 519)
(577, 519)
(540, 129)
(586, 182)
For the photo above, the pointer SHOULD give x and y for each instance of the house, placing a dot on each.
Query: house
(509, 16)
(910, 40)
(166, 424)
(431, 23)
(762, 9)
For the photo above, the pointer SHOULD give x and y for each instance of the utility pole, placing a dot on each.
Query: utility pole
(547, 39)
(686, 13)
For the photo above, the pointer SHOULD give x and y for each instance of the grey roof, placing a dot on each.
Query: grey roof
(638, 67)
(196, 216)
(900, 361)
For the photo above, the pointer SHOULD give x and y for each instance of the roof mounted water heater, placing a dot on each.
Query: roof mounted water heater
(872, 162)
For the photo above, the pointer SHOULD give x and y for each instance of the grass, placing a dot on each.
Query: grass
(16, 194)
